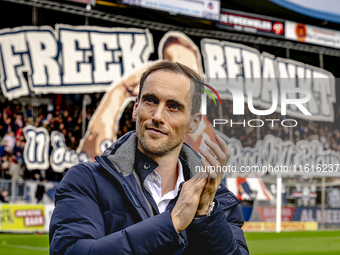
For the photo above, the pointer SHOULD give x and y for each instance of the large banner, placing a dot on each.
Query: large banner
(69, 59)
(270, 155)
(82, 59)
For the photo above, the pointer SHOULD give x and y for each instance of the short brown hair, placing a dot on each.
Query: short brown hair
(177, 68)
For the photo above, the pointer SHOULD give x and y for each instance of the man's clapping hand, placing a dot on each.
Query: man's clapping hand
(198, 193)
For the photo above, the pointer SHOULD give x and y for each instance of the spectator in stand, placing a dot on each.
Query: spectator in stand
(4, 150)
(29, 121)
(61, 127)
(77, 133)
(19, 133)
(10, 138)
(69, 122)
(4, 196)
(18, 123)
(29, 111)
(49, 116)
(15, 171)
(46, 124)
(8, 125)
(39, 194)
(5, 167)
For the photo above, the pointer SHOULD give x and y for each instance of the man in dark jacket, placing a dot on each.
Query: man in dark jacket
(143, 195)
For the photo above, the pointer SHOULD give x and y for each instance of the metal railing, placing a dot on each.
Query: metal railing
(17, 190)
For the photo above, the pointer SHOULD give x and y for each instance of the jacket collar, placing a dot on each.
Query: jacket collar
(122, 155)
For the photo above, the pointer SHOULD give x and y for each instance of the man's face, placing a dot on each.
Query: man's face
(162, 113)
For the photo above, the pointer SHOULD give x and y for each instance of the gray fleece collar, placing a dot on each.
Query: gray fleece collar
(124, 156)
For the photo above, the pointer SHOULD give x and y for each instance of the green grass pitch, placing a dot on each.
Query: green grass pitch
(294, 243)
(23, 244)
(290, 243)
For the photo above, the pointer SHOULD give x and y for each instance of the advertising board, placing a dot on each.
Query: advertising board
(312, 34)
(204, 9)
(251, 23)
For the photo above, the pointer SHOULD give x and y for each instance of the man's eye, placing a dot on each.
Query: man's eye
(173, 107)
(150, 100)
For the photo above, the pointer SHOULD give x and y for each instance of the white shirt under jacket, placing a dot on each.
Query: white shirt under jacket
(152, 184)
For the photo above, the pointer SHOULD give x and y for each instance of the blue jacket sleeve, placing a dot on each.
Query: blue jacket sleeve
(217, 234)
(77, 225)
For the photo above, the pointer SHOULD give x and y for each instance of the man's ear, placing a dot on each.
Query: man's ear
(195, 122)
(134, 113)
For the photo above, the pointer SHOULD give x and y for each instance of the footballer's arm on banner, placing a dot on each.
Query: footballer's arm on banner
(103, 125)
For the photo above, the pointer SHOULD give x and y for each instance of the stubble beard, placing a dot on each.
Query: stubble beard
(158, 148)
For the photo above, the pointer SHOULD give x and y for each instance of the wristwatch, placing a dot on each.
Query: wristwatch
(210, 211)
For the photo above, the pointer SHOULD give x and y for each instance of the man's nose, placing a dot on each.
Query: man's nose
(159, 114)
